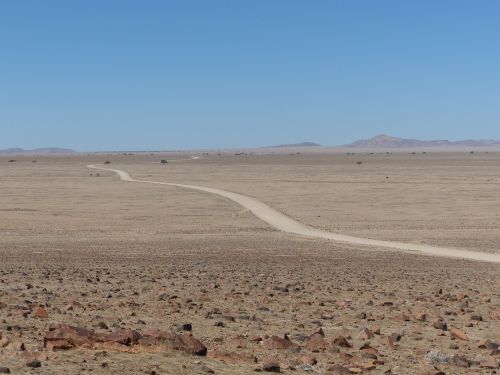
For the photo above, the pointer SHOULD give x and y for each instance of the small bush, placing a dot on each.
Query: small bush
(359, 162)
(107, 162)
(163, 161)
(436, 357)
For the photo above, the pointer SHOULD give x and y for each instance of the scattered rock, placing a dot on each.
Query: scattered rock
(40, 312)
(440, 324)
(189, 344)
(126, 337)
(341, 341)
(275, 342)
(490, 362)
(455, 332)
(271, 365)
(34, 364)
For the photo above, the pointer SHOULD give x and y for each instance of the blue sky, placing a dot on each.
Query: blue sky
(129, 75)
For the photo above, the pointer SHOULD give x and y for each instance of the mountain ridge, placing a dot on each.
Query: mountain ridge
(41, 151)
(302, 144)
(387, 141)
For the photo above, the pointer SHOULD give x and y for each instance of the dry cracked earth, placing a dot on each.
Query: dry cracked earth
(102, 276)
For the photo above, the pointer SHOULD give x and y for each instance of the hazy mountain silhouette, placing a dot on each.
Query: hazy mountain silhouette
(386, 141)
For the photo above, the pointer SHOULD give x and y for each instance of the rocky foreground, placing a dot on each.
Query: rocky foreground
(221, 310)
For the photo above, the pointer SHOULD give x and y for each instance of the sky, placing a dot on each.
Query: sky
(167, 75)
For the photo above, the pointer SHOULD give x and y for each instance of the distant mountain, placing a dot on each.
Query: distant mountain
(38, 151)
(386, 141)
(303, 144)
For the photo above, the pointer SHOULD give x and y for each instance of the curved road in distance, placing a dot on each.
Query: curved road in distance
(286, 224)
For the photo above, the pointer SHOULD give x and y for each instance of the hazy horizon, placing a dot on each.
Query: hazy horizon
(127, 75)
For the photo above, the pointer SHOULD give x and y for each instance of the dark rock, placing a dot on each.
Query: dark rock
(34, 364)
(126, 337)
(271, 365)
(440, 324)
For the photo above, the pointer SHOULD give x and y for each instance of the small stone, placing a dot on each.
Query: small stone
(189, 344)
(341, 341)
(461, 361)
(34, 364)
(490, 362)
(126, 337)
(361, 315)
(366, 334)
(271, 365)
(339, 370)
(422, 317)
(40, 312)
(487, 344)
(440, 324)
(207, 370)
(188, 327)
(455, 332)
(275, 342)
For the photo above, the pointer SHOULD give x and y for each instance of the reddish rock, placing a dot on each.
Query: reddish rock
(157, 336)
(401, 318)
(126, 337)
(316, 342)
(75, 336)
(308, 360)
(341, 341)
(490, 362)
(275, 342)
(189, 344)
(389, 342)
(59, 345)
(487, 344)
(420, 316)
(40, 312)
(455, 332)
(375, 329)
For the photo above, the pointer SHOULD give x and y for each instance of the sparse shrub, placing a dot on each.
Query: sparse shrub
(163, 161)
(12, 160)
(359, 162)
(436, 357)
(107, 162)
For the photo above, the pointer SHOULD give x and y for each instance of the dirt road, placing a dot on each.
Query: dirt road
(286, 224)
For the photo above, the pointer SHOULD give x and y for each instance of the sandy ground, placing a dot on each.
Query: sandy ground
(283, 223)
(94, 250)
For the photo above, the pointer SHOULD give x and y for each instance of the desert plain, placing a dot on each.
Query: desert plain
(100, 275)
